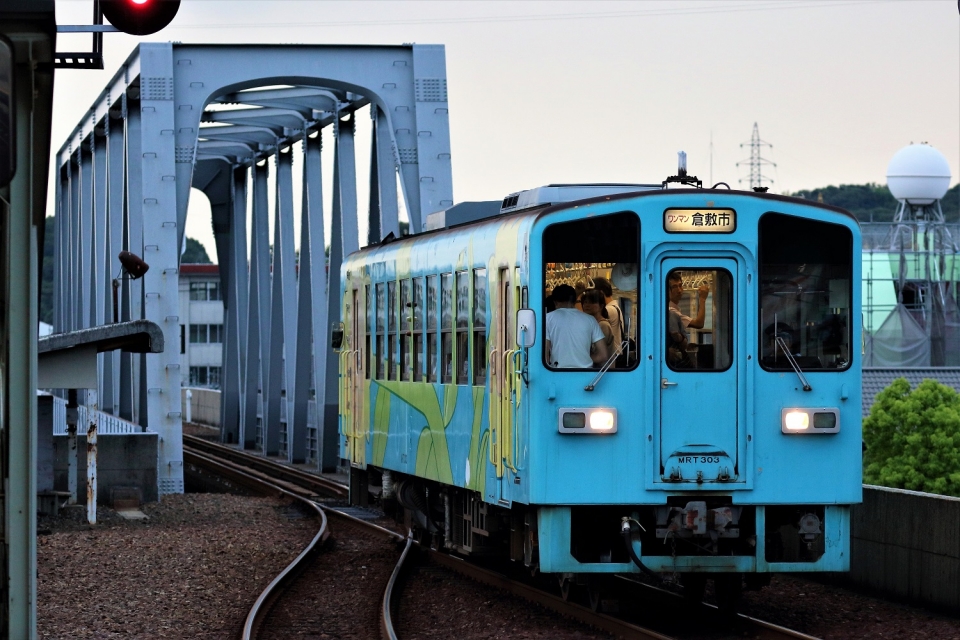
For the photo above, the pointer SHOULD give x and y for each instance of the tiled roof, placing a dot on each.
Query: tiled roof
(876, 380)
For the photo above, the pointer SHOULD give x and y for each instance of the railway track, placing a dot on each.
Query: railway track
(324, 499)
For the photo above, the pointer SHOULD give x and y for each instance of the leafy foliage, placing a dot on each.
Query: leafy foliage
(195, 253)
(873, 202)
(913, 438)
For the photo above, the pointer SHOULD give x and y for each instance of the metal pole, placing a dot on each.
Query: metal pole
(72, 445)
(92, 457)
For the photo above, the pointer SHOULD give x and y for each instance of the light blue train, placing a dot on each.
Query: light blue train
(722, 436)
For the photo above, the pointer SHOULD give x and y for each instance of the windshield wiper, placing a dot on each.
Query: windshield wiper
(793, 363)
(606, 366)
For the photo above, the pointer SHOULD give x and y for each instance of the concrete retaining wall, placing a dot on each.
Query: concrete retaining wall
(123, 460)
(906, 545)
(204, 405)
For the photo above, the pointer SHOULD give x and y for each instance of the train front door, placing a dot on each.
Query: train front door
(700, 341)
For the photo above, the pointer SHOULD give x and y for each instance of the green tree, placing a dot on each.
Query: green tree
(195, 253)
(913, 438)
(873, 202)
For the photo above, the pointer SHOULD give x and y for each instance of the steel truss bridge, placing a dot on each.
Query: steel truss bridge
(233, 121)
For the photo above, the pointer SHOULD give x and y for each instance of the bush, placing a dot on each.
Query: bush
(913, 438)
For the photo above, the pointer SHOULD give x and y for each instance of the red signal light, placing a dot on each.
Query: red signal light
(139, 17)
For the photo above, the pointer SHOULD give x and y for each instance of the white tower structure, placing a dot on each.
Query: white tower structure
(923, 328)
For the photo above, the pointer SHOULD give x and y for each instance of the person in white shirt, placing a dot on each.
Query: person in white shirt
(574, 339)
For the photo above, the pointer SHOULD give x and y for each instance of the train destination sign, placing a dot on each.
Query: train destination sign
(699, 220)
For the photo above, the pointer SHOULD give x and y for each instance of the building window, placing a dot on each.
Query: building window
(205, 377)
(205, 290)
(183, 338)
(206, 333)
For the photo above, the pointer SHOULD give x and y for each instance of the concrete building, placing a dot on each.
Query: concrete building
(201, 326)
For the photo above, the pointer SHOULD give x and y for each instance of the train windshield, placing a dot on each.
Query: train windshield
(806, 270)
(592, 265)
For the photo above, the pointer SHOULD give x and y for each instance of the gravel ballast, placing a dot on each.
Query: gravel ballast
(194, 568)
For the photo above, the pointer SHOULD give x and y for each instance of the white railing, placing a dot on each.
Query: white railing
(205, 408)
(107, 424)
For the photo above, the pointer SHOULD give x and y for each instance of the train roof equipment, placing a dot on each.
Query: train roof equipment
(466, 212)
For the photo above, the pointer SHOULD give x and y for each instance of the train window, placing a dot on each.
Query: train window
(479, 327)
(699, 319)
(602, 253)
(381, 312)
(463, 327)
(366, 327)
(406, 330)
(446, 328)
(806, 270)
(392, 331)
(417, 329)
(431, 328)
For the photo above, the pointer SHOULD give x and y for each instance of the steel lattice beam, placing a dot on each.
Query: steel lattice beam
(234, 122)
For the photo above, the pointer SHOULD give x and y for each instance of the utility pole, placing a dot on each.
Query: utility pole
(756, 161)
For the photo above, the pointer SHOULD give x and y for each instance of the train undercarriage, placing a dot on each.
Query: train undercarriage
(688, 540)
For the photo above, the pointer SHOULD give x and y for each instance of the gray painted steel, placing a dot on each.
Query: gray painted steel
(31, 28)
(180, 116)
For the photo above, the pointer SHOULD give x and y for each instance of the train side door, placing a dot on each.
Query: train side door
(502, 398)
(700, 340)
(356, 372)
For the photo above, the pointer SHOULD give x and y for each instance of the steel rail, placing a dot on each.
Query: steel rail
(259, 610)
(386, 619)
(617, 627)
(582, 614)
(620, 628)
(761, 629)
(265, 465)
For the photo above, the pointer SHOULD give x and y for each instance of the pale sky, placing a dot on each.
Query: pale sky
(576, 91)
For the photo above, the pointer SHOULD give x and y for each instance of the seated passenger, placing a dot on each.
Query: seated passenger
(573, 339)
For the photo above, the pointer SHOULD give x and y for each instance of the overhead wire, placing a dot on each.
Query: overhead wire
(778, 5)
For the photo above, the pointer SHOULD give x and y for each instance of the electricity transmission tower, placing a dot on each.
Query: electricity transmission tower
(756, 161)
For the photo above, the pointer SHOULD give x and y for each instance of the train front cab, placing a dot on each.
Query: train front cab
(737, 452)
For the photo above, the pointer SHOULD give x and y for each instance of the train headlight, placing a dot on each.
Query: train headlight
(602, 420)
(587, 420)
(796, 420)
(816, 420)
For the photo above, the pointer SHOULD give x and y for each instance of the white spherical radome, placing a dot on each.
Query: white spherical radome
(919, 174)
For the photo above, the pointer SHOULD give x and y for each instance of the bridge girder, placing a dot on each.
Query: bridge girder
(178, 116)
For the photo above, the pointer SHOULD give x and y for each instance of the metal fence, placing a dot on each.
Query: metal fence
(106, 423)
(205, 409)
